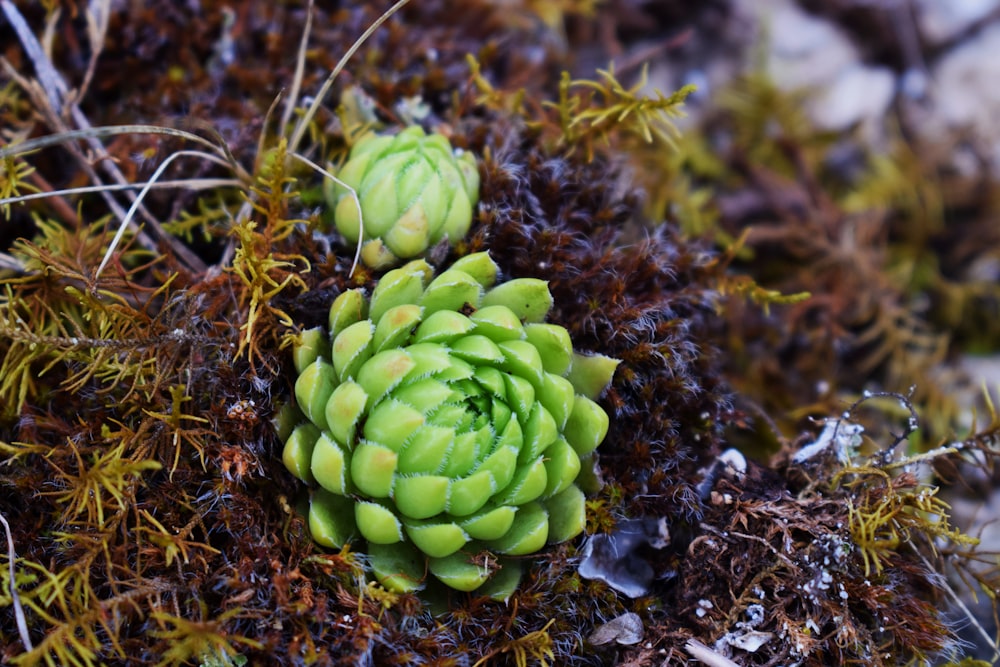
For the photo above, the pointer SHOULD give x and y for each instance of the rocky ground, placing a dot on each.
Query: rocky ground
(801, 276)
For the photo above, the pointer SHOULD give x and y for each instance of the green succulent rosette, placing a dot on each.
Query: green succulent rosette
(413, 192)
(445, 424)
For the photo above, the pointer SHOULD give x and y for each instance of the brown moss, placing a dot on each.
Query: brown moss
(153, 519)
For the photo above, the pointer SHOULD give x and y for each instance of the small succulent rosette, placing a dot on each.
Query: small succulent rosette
(447, 424)
(413, 192)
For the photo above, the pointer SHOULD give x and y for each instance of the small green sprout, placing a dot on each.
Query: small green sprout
(414, 192)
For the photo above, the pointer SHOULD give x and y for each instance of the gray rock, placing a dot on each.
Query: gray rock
(810, 52)
(941, 21)
(965, 97)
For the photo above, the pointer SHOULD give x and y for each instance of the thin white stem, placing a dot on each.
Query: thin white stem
(60, 138)
(51, 100)
(190, 184)
(300, 128)
(354, 196)
(142, 194)
(11, 263)
(300, 66)
(990, 641)
(22, 624)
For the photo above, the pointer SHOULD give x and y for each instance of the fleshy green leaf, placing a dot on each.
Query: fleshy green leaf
(562, 465)
(553, 344)
(377, 523)
(329, 465)
(452, 290)
(458, 571)
(528, 298)
(468, 495)
(498, 323)
(298, 451)
(313, 389)
(351, 348)
(528, 534)
(421, 496)
(373, 468)
(344, 410)
(587, 425)
(399, 568)
(567, 514)
(437, 540)
(490, 523)
(396, 326)
(479, 265)
(591, 374)
(398, 287)
(528, 484)
(349, 307)
(391, 423)
(331, 519)
(311, 344)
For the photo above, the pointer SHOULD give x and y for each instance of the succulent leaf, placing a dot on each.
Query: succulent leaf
(313, 389)
(591, 374)
(528, 298)
(298, 451)
(352, 348)
(308, 348)
(479, 266)
(349, 307)
(553, 345)
(287, 418)
(452, 290)
(437, 540)
(329, 465)
(562, 466)
(587, 425)
(398, 287)
(528, 484)
(344, 409)
(444, 326)
(391, 423)
(444, 411)
(373, 468)
(528, 534)
(377, 523)
(400, 568)
(469, 494)
(459, 571)
(503, 581)
(567, 514)
(396, 326)
(331, 519)
(421, 496)
(557, 396)
(491, 523)
(499, 323)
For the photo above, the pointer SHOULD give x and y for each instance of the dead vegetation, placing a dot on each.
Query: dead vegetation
(176, 244)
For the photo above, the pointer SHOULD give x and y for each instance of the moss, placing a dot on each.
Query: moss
(151, 515)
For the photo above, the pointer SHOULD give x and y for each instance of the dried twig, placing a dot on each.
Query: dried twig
(142, 193)
(50, 101)
(300, 128)
(98, 17)
(706, 655)
(300, 66)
